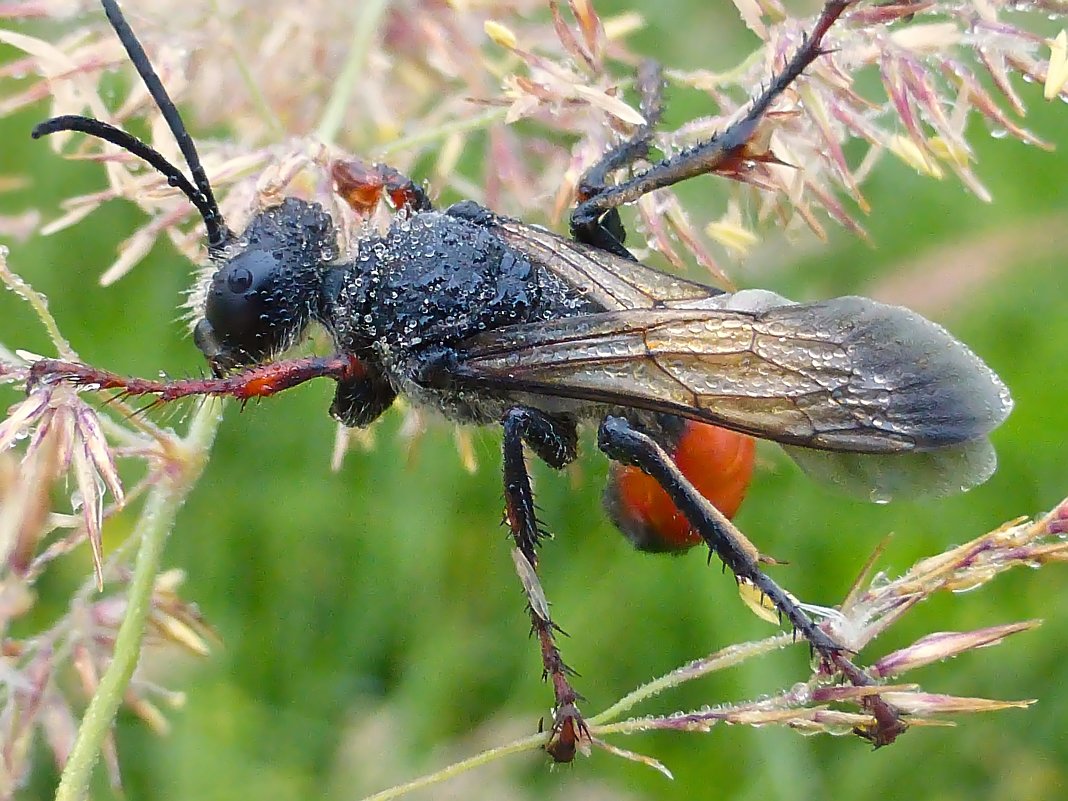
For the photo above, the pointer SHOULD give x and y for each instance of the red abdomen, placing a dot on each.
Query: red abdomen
(718, 462)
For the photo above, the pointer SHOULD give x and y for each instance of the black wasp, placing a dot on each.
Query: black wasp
(492, 321)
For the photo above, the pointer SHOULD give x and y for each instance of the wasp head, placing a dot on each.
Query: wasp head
(267, 283)
(267, 287)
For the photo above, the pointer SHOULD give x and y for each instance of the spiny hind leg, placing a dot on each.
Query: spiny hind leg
(624, 443)
(554, 441)
(605, 228)
(595, 220)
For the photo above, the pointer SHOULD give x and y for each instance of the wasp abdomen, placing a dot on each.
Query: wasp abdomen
(718, 462)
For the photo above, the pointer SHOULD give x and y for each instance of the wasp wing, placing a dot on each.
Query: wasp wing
(847, 375)
(610, 281)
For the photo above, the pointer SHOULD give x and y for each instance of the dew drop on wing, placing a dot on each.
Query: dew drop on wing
(877, 496)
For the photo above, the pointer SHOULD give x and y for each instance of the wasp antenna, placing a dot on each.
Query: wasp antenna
(130, 143)
(218, 233)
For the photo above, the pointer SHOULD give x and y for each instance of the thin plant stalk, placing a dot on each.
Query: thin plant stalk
(362, 35)
(155, 523)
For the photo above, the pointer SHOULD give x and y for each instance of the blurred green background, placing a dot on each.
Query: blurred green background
(371, 621)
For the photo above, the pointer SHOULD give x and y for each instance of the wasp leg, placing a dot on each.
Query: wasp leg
(360, 400)
(626, 444)
(362, 185)
(256, 382)
(623, 443)
(595, 219)
(605, 229)
(554, 441)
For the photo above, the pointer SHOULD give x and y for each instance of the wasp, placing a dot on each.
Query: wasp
(491, 321)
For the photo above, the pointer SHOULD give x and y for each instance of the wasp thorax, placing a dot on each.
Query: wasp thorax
(260, 301)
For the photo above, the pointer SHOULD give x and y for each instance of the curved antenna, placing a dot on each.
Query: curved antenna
(130, 143)
(199, 190)
(209, 209)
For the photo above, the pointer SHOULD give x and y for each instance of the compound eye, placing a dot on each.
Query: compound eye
(240, 303)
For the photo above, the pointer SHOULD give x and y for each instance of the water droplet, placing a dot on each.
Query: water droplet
(879, 496)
